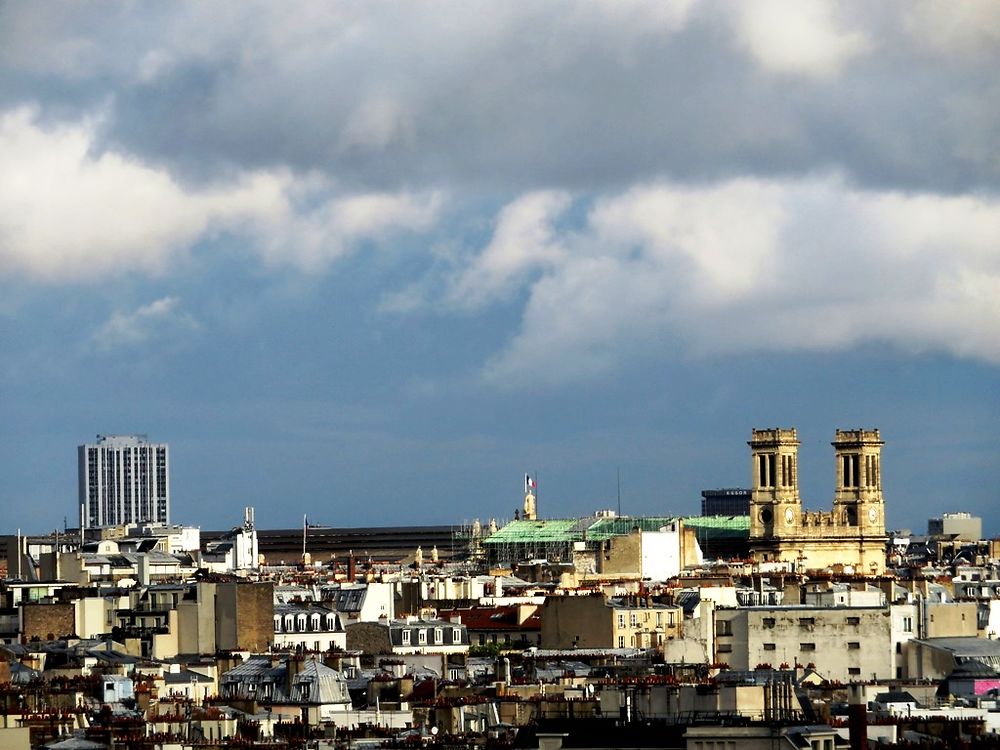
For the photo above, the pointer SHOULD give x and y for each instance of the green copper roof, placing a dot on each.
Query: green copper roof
(719, 526)
(605, 528)
(567, 530)
(547, 530)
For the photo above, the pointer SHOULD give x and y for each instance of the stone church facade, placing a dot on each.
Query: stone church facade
(851, 535)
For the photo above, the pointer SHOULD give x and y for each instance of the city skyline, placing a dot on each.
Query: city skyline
(373, 264)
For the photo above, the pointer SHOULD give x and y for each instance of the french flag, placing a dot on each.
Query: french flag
(529, 483)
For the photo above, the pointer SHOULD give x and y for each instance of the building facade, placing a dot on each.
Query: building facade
(124, 479)
(583, 622)
(963, 527)
(851, 535)
(844, 644)
(725, 502)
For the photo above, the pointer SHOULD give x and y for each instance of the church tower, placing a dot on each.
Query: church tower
(775, 505)
(858, 500)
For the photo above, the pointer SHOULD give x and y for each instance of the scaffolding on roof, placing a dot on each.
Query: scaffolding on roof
(556, 539)
(605, 528)
(721, 536)
(548, 539)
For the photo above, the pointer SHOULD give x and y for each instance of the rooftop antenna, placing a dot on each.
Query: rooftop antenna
(305, 526)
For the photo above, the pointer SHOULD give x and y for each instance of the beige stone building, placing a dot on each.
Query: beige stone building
(595, 622)
(852, 535)
(846, 644)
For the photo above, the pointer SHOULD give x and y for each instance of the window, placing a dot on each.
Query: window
(621, 641)
(724, 648)
(807, 622)
(899, 647)
(456, 635)
(621, 619)
(406, 637)
(769, 647)
(854, 670)
(853, 645)
(422, 637)
(724, 627)
(853, 620)
(768, 622)
(439, 635)
(633, 619)
(907, 624)
(807, 647)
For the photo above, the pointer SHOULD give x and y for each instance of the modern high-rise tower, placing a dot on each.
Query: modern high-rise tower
(123, 479)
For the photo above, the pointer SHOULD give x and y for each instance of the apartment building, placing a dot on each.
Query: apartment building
(124, 479)
(595, 622)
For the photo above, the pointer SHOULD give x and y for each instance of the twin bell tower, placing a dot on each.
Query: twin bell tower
(852, 535)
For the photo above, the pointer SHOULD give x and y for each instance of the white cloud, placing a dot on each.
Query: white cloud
(522, 241)
(754, 265)
(801, 37)
(314, 239)
(68, 213)
(968, 31)
(130, 328)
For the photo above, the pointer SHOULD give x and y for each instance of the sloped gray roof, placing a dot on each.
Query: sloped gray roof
(257, 678)
(895, 696)
(75, 743)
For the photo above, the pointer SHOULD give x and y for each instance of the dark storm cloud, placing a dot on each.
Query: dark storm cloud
(517, 96)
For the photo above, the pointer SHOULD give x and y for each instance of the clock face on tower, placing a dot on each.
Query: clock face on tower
(872, 515)
(789, 516)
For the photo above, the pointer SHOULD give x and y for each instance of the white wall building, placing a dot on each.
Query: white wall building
(124, 479)
(309, 627)
(845, 643)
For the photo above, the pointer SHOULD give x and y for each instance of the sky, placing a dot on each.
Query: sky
(373, 261)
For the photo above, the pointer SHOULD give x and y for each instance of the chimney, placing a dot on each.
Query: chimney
(857, 718)
(293, 667)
